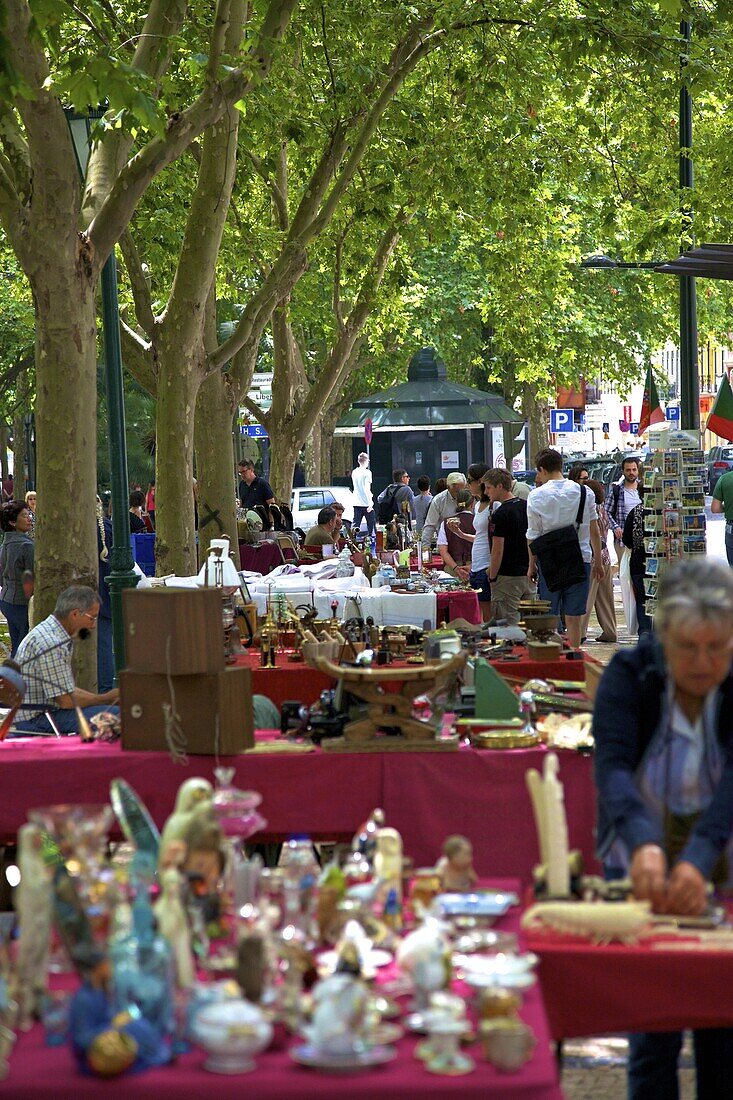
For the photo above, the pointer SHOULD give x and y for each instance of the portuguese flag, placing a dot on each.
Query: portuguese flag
(651, 410)
(720, 419)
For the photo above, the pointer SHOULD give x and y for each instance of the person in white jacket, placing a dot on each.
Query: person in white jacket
(361, 479)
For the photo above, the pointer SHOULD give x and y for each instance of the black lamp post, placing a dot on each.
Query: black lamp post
(29, 425)
(122, 574)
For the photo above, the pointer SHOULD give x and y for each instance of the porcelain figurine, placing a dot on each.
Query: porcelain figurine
(455, 866)
(193, 801)
(548, 802)
(339, 1008)
(425, 955)
(104, 1042)
(365, 841)
(388, 861)
(173, 924)
(34, 905)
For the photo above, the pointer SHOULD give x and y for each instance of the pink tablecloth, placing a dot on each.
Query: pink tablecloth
(40, 1071)
(426, 795)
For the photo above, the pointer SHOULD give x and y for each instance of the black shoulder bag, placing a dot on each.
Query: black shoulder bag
(559, 554)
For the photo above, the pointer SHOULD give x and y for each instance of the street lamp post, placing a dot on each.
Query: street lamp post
(122, 574)
(689, 383)
(29, 425)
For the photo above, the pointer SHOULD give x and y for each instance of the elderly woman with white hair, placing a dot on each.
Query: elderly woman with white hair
(663, 726)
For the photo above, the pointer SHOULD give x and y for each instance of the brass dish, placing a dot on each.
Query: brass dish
(498, 739)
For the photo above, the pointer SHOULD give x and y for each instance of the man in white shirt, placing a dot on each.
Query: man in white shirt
(442, 506)
(361, 479)
(552, 504)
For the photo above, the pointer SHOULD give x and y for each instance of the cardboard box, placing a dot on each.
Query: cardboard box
(197, 700)
(176, 631)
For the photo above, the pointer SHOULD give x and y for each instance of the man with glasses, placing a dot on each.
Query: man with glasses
(44, 657)
(392, 498)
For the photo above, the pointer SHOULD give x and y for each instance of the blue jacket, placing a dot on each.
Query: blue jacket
(627, 712)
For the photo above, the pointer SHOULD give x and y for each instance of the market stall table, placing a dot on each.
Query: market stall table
(39, 1071)
(597, 990)
(295, 680)
(425, 795)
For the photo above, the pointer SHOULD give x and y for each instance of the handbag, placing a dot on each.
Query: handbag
(559, 553)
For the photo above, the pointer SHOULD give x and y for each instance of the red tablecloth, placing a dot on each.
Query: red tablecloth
(458, 604)
(288, 680)
(426, 795)
(592, 990)
(260, 558)
(40, 1071)
(291, 680)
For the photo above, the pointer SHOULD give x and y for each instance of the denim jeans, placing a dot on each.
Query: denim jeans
(17, 616)
(361, 513)
(65, 719)
(729, 543)
(105, 656)
(653, 1064)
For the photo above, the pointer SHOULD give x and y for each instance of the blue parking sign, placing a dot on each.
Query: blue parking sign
(673, 414)
(562, 420)
(634, 427)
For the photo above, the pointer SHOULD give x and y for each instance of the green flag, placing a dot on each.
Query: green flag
(720, 419)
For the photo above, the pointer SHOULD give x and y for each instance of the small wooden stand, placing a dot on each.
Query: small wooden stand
(392, 709)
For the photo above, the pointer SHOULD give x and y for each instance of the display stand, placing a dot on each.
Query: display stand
(674, 507)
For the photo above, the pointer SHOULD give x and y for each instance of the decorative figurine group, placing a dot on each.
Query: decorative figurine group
(189, 901)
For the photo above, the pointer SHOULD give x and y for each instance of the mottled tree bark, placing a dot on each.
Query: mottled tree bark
(535, 412)
(215, 462)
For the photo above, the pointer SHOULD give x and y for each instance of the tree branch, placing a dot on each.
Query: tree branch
(131, 183)
(15, 147)
(139, 284)
(336, 366)
(196, 268)
(138, 358)
(218, 39)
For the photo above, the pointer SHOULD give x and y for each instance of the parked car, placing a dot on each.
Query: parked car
(719, 462)
(307, 502)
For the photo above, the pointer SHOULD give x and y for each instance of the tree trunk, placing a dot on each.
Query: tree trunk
(66, 438)
(535, 412)
(215, 463)
(316, 460)
(324, 427)
(283, 456)
(178, 384)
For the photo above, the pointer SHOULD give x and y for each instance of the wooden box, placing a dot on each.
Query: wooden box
(198, 701)
(177, 631)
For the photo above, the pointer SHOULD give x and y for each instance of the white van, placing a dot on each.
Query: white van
(307, 502)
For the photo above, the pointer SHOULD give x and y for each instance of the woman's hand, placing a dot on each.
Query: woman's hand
(649, 876)
(686, 892)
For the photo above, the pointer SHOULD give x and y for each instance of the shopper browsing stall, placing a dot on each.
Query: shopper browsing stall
(663, 727)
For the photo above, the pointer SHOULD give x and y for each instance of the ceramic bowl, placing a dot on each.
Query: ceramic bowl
(508, 1044)
(231, 1033)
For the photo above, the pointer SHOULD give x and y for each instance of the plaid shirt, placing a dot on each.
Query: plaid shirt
(618, 520)
(44, 657)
